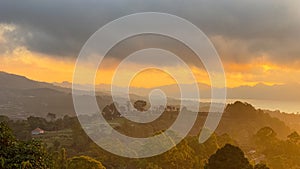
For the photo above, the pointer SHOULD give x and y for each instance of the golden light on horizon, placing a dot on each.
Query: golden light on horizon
(152, 78)
(37, 66)
(45, 68)
(266, 67)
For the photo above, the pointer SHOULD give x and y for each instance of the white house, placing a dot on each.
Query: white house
(37, 131)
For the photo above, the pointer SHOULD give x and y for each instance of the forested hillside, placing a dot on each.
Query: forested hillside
(261, 138)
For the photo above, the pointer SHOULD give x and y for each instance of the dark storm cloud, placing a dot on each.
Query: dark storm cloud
(248, 28)
(55, 27)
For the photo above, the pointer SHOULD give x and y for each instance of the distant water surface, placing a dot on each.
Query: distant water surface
(283, 106)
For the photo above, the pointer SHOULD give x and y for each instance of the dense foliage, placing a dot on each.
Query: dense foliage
(21, 154)
(84, 162)
(246, 138)
(228, 157)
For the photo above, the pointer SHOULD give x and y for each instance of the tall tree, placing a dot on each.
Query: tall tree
(140, 105)
(228, 157)
(294, 137)
(51, 116)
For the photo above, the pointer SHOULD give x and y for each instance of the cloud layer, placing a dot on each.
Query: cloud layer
(241, 30)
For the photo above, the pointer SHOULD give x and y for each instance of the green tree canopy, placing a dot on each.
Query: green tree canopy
(84, 162)
(294, 137)
(261, 166)
(19, 154)
(140, 105)
(228, 157)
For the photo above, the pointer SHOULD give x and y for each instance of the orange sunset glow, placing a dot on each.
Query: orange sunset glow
(50, 69)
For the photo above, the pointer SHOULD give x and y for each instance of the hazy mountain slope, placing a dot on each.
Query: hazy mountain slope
(11, 81)
(17, 82)
(292, 120)
(285, 92)
(21, 97)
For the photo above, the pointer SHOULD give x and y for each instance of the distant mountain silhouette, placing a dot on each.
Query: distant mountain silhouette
(17, 82)
(12, 81)
(285, 92)
(21, 97)
(170, 90)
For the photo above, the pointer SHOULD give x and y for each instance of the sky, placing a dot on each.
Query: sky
(257, 41)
